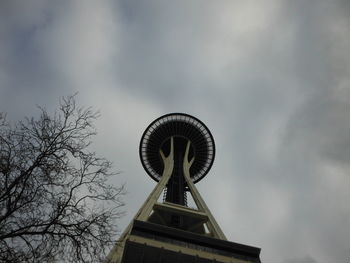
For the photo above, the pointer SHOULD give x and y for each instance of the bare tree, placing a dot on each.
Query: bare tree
(55, 200)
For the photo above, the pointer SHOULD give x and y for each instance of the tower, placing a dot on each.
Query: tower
(177, 151)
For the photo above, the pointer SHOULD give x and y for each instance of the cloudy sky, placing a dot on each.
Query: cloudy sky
(270, 78)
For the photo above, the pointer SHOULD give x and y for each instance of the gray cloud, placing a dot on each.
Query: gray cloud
(270, 79)
(306, 259)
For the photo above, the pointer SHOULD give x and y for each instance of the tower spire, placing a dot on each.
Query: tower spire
(177, 150)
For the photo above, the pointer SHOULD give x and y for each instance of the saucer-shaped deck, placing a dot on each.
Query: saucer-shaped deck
(183, 128)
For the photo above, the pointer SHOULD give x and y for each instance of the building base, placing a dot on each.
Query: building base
(153, 243)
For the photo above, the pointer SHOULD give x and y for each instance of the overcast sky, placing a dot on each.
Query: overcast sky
(270, 79)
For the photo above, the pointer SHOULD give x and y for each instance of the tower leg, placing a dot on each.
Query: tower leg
(116, 253)
(213, 226)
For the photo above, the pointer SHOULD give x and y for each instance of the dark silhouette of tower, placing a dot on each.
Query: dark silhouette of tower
(177, 150)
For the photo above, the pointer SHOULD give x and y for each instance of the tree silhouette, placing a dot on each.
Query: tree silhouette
(55, 200)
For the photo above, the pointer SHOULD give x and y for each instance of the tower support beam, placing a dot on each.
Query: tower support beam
(116, 254)
(213, 226)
